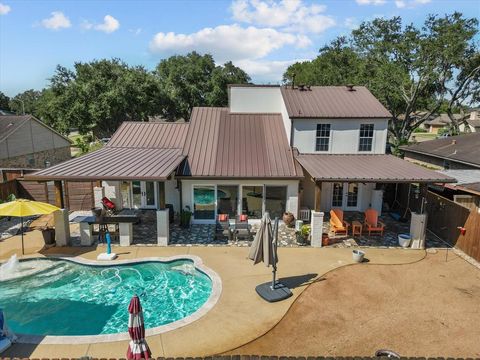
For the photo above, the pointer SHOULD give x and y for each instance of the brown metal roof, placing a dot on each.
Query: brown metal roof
(332, 102)
(221, 144)
(150, 135)
(368, 168)
(462, 148)
(115, 163)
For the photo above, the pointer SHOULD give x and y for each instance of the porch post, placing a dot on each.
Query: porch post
(161, 195)
(318, 195)
(58, 194)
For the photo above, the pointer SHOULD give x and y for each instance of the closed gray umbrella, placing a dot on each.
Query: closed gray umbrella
(264, 249)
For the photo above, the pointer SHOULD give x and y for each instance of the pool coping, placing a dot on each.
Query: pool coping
(91, 339)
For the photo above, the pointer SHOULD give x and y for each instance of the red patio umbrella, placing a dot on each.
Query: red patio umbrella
(138, 347)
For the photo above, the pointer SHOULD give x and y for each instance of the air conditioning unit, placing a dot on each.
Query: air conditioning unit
(418, 230)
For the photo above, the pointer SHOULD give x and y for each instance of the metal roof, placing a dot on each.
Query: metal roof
(368, 168)
(115, 163)
(150, 135)
(467, 179)
(462, 148)
(332, 102)
(221, 144)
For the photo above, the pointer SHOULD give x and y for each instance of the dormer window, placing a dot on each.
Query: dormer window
(366, 137)
(323, 137)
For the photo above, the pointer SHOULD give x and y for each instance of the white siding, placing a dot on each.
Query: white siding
(344, 135)
(292, 190)
(172, 195)
(251, 99)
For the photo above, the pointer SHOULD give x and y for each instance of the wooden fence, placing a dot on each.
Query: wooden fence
(7, 188)
(446, 219)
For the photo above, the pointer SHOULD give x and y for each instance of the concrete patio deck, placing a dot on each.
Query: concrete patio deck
(239, 317)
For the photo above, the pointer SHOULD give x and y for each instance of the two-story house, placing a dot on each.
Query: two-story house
(274, 148)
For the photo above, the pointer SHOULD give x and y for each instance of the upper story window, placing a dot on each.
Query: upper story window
(323, 137)
(366, 137)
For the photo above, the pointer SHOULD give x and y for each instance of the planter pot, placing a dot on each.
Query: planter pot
(325, 239)
(358, 255)
(301, 239)
(49, 237)
(288, 219)
(404, 240)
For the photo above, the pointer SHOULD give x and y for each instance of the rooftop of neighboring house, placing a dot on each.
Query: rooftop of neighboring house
(442, 119)
(461, 148)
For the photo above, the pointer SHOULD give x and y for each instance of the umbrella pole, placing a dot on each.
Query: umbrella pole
(274, 267)
(21, 230)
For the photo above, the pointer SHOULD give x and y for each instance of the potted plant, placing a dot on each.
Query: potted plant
(48, 234)
(288, 219)
(303, 234)
(185, 217)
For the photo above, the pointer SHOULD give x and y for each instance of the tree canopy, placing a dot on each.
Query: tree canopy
(413, 71)
(4, 102)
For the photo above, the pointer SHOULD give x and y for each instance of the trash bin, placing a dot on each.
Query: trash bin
(48, 236)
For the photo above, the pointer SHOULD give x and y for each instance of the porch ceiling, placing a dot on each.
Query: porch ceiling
(115, 163)
(368, 168)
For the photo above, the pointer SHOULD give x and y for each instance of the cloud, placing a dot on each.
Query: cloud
(351, 22)
(265, 70)
(370, 2)
(410, 3)
(4, 9)
(57, 21)
(227, 42)
(109, 25)
(291, 15)
(136, 31)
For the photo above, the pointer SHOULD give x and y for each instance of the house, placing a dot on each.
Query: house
(440, 122)
(473, 123)
(457, 157)
(27, 143)
(274, 148)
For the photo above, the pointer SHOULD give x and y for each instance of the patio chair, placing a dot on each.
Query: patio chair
(372, 223)
(242, 229)
(109, 206)
(222, 229)
(337, 224)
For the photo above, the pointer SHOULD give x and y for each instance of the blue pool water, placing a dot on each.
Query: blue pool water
(72, 299)
(203, 196)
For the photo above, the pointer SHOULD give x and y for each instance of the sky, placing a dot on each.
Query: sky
(263, 37)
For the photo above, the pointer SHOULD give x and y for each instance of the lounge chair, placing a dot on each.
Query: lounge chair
(5, 342)
(222, 229)
(242, 229)
(337, 224)
(372, 224)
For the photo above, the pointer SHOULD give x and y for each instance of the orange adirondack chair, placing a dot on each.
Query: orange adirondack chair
(372, 223)
(337, 224)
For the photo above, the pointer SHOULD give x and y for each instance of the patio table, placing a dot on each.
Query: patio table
(356, 228)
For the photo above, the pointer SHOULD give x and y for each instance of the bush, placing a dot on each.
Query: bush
(420, 130)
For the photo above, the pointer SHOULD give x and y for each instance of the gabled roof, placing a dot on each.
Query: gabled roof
(442, 119)
(221, 144)
(368, 168)
(332, 102)
(11, 123)
(461, 148)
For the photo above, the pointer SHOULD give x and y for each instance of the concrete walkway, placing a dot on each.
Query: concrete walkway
(239, 317)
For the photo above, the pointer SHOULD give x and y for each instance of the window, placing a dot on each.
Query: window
(275, 200)
(252, 201)
(227, 200)
(323, 137)
(337, 198)
(352, 195)
(366, 137)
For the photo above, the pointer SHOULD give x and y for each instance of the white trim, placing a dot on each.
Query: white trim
(89, 339)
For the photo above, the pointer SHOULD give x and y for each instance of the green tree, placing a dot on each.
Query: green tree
(98, 96)
(413, 71)
(4, 102)
(25, 102)
(194, 80)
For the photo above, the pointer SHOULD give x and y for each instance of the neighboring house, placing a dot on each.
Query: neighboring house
(473, 123)
(27, 143)
(272, 149)
(456, 156)
(440, 122)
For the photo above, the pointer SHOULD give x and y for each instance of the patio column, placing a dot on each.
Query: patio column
(161, 195)
(59, 194)
(318, 195)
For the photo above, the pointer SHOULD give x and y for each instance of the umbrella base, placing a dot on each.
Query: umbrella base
(278, 293)
(107, 257)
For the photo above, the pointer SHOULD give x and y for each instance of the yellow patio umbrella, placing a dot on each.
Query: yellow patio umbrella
(23, 207)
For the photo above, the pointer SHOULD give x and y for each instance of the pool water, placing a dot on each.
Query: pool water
(67, 298)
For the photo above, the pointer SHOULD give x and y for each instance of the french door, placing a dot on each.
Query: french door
(144, 194)
(345, 196)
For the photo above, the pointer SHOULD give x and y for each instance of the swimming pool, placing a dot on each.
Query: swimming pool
(66, 298)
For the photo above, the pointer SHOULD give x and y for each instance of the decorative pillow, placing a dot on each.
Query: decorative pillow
(243, 217)
(222, 217)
